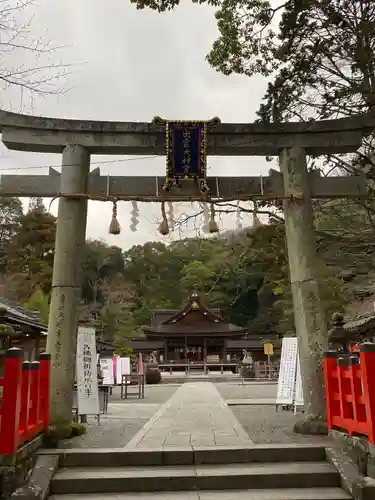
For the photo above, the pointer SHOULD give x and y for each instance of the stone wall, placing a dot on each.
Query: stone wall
(15, 469)
(360, 451)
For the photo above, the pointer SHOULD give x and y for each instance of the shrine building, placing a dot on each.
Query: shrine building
(197, 334)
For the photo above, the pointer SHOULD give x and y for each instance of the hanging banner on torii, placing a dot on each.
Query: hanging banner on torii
(186, 152)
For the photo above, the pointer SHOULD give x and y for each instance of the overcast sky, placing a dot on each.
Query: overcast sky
(131, 66)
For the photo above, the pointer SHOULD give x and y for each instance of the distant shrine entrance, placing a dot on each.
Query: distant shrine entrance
(196, 334)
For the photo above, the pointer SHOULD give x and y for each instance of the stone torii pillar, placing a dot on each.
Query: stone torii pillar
(66, 283)
(309, 314)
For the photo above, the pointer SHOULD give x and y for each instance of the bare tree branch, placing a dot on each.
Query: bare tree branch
(27, 63)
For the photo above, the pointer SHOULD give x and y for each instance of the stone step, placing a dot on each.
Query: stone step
(283, 494)
(98, 457)
(79, 480)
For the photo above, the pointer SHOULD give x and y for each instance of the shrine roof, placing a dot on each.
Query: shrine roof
(21, 318)
(193, 319)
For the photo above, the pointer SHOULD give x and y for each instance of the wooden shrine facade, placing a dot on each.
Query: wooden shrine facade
(197, 334)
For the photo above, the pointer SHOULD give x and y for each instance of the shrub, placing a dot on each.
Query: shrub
(78, 429)
(56, 433)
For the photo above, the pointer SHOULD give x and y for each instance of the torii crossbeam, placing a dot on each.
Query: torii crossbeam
(150, 189)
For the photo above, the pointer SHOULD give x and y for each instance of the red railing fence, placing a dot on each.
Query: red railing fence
(350, 391)
(24, 405)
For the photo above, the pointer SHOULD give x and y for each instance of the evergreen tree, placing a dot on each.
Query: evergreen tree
(10, 214)
(30, 258)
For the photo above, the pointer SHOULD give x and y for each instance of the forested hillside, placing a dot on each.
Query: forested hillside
(244, 273)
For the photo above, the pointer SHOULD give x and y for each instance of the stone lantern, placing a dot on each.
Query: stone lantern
(338, 337)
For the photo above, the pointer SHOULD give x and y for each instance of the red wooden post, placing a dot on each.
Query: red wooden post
(345, 391)
(25, 397)
(359, 413)
(11, 401)
(34, 393)
(368, 379)
(44, 389)
(331, 385)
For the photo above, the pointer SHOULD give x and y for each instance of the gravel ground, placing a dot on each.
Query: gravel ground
(124, 419)
(111, 433)
(247, 391)
(265, 425)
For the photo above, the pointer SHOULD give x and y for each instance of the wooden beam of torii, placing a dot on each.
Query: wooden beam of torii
(150, 189)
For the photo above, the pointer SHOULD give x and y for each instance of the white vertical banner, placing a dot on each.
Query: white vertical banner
(125, 366)
(118, 371)
(298, 398)
(87, 373)
(106, 365)
(286, 385)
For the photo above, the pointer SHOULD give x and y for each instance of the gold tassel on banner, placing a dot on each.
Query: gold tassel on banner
(163, 228)
(212, 225)
(114, 227)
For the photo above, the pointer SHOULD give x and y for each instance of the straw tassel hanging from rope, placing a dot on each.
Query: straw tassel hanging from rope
(206, 218)
(114, 227)
(170, 215)
(256, 221)
(134, 217)
(239, 216)
(212, 225)
(163, 227)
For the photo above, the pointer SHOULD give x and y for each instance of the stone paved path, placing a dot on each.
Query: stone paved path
(196, 415)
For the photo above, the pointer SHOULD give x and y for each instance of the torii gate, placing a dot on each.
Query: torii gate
(77, 140)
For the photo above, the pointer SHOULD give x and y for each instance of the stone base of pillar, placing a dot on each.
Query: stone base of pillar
(311, 427)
